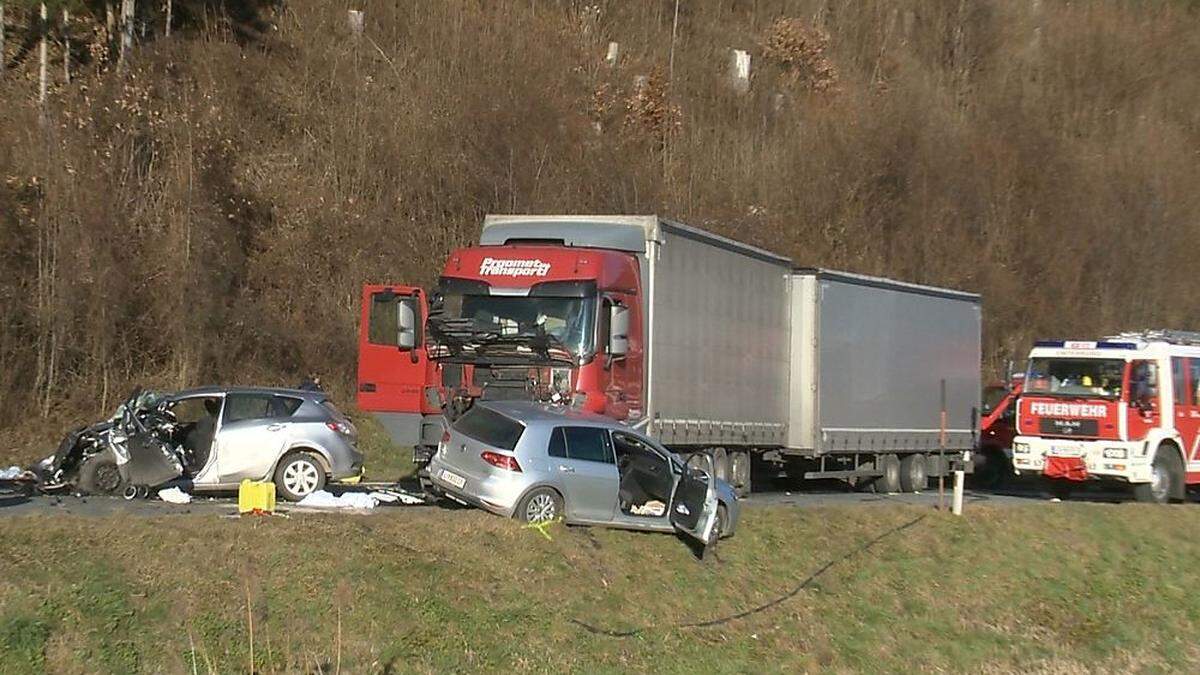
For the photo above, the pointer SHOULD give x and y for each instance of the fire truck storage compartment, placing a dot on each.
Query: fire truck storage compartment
(718, 335)
(868, 359)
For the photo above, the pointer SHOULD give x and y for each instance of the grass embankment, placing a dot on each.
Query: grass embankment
(1068, 587)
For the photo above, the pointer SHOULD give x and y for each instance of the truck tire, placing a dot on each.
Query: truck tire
(720, 463)
(1166, 482)
(914, 474)
(890, 480)
(739, 472)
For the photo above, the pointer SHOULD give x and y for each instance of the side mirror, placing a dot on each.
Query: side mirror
(406, 322)
(618, 331)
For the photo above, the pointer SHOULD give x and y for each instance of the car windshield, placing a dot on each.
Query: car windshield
(490, 427)
(570, 321)
(1075, 377)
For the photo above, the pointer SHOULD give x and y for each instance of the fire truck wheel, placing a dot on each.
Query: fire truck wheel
(1166, 478)
(1060, 489)
(890, 480)
(914, 474)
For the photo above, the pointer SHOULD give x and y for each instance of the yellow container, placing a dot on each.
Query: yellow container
(256, 497)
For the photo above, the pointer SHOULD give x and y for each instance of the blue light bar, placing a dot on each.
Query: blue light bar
(1115, 345)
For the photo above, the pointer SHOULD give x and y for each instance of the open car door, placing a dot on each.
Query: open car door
(391, 354)
(694, 504)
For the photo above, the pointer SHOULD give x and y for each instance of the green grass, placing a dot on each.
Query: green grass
(1057, 588)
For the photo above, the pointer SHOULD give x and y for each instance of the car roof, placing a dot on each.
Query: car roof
(217, 390)
(533, 412)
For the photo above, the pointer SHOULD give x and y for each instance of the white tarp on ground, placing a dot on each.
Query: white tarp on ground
(11, 473)
(175, 496)
(356, 500)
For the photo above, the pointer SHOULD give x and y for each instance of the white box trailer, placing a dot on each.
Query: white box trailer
(880, 367)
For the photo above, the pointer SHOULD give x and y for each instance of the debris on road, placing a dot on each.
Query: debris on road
(174, 495)
(15, 473)
(357, 500)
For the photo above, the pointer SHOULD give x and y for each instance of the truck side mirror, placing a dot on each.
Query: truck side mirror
(618, 331)
(406, 322)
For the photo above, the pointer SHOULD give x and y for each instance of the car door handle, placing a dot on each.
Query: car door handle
(566, 469)
(275, 427)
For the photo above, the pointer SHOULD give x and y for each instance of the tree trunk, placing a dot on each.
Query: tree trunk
(43, 55)
(1, 39)
(127, 14)
(66, 45)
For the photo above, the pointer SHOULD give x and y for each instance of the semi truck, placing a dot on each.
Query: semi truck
(707, 344)
(1124, 409)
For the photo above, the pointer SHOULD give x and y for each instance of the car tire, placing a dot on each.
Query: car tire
(540, 505)
(890, 480)
(1167, 478)
(299, 475)
(914, 473)
(100, 475)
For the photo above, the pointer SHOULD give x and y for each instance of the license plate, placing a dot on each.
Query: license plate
(453, 479)
(1066, 450)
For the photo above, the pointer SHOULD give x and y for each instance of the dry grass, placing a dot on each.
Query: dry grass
(209, 215)
(1070, 588)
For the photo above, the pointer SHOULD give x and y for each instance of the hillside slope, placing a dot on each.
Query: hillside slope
(208, 214)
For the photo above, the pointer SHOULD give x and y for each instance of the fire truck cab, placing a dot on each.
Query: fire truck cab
(1123, 409)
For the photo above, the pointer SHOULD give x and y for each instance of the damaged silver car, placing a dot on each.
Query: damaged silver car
(209, 439)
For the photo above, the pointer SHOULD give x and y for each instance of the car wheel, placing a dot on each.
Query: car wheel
(914, 473)
(100, 475)
(1165, 478)
(299, 475)
(890, 480)
(539, 506)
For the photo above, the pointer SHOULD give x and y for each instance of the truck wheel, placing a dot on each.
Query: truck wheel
(1166, 478)
(739, 472)
(914, 475)
(890, 480)
(992, 469)
(720, 461)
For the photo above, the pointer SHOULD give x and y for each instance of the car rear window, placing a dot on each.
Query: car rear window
(490, 427)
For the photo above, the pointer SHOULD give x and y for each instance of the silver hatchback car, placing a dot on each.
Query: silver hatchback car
(537, 462)
(295, 438)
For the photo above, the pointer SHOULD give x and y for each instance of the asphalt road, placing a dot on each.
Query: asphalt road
(819, 495)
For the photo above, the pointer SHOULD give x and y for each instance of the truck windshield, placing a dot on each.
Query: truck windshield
(1075, 377)
(570, 321)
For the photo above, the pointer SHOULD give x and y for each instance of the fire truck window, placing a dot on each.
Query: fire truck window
(1075, 377)
(1179, 381)
(1194, 367)
(1143, 382)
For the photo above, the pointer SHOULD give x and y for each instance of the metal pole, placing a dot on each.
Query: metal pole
(942, 453)
(169, 7)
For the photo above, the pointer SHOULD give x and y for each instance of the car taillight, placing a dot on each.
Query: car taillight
(341, 428)
(507, 462)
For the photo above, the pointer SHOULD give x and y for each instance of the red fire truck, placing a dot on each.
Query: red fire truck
(1124, 409)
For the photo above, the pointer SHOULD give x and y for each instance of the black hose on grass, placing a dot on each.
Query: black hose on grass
(765, 606)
